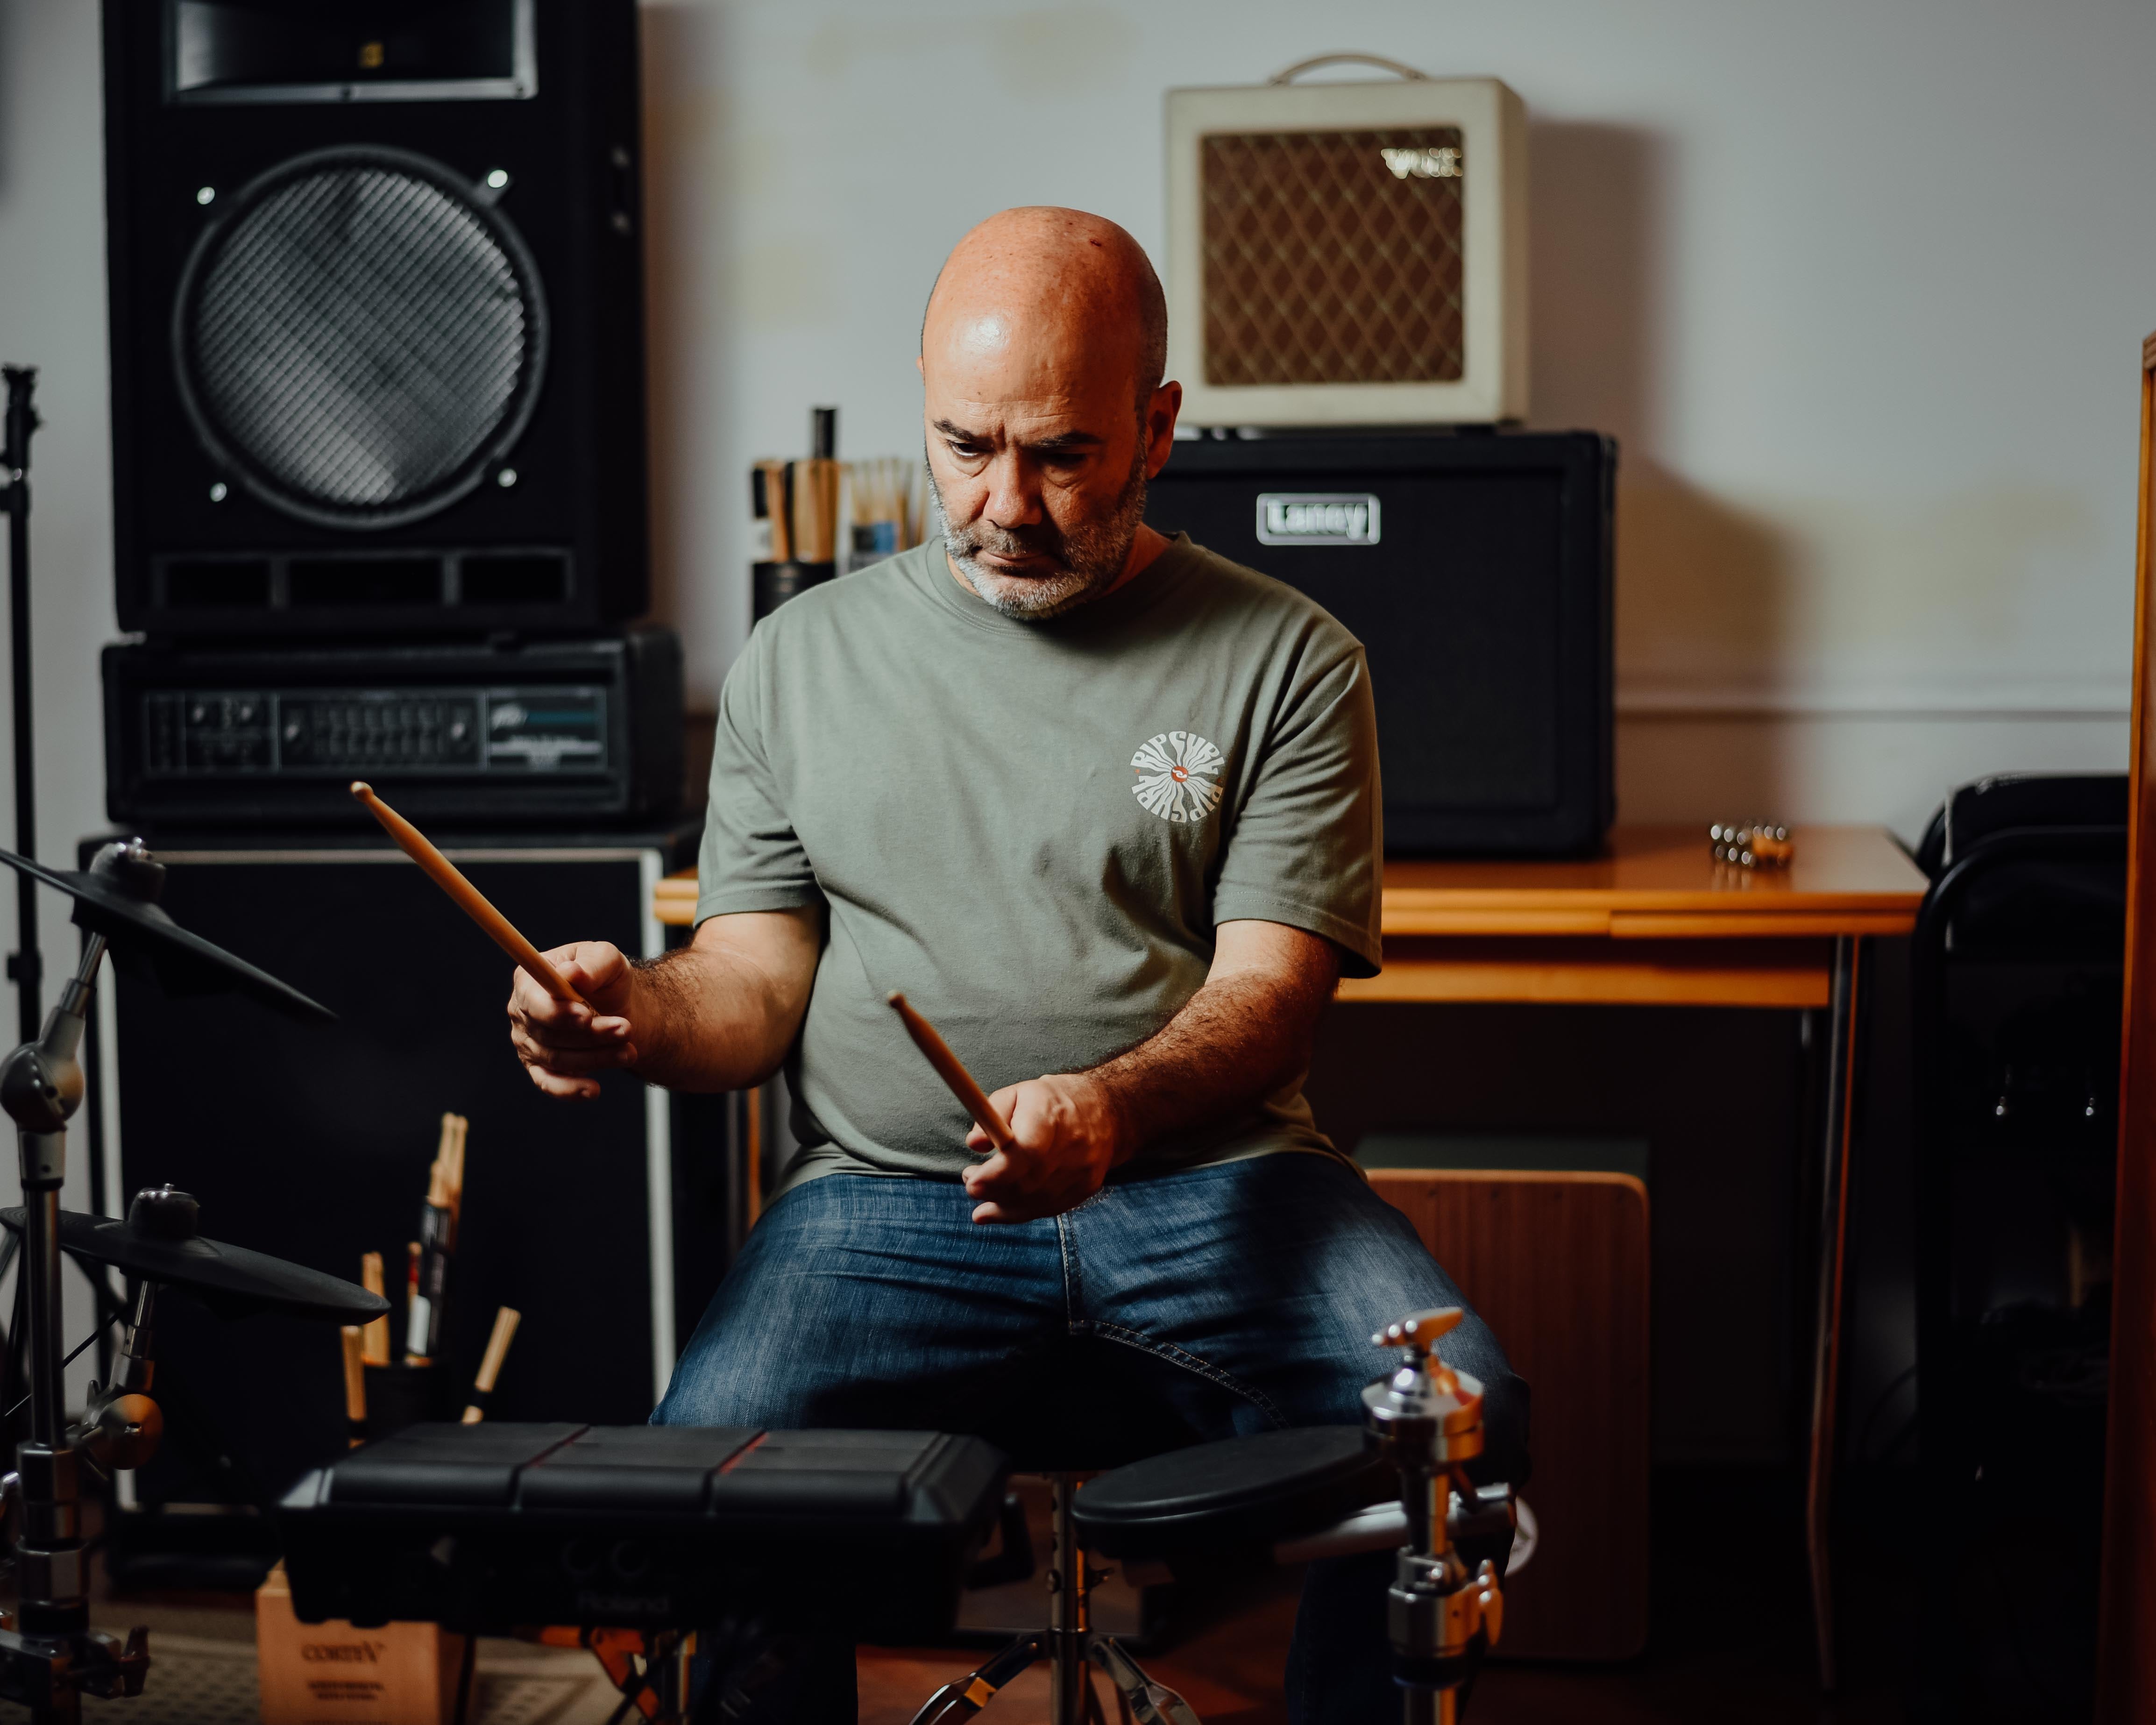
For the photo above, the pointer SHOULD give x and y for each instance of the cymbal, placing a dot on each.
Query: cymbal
(115, 899)
(158, 1243)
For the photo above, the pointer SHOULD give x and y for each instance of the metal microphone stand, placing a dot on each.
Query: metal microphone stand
(24, 966)
(1443, 1618)
(51, 1654)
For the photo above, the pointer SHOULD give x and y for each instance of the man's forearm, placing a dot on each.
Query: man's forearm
(712, 1017)
(1236, 1041)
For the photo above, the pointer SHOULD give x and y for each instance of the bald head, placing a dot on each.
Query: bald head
(1074, 288)
(1044, 408)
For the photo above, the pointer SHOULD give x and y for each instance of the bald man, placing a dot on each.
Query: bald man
(1106, 806)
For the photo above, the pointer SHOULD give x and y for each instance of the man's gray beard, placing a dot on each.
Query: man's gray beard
(1090, 556)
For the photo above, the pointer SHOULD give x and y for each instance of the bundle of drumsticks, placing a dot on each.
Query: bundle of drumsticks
(427, 1286)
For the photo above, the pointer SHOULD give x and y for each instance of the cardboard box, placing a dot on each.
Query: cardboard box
(332, 1674)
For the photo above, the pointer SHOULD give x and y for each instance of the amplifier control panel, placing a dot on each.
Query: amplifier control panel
(466, 734)
(228, 733)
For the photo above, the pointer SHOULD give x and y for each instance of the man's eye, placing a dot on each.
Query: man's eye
(968, 452)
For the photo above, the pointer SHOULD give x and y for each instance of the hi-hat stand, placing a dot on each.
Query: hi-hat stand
(52, 1656)
(1442, 1617)
(49, 1656)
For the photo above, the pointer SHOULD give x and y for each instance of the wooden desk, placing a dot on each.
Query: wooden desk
(1655, 921)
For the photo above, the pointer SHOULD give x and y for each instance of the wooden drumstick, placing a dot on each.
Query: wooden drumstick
(374, 1338)
(952, 1071)
(468, 898)
(355, 1387)
(506, 1321)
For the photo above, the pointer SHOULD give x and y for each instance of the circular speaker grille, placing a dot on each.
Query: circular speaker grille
(360, 338)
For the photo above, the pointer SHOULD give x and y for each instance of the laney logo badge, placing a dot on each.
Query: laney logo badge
(1316, 518)
(1179, 776)
(1444, 164)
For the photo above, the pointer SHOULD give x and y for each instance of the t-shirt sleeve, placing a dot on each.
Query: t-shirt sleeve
(752, 858)
(1308, 840)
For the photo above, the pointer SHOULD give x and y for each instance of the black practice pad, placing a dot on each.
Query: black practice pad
(864, 1534)
(185, 963)
(1230, 1497)
(150, 1246)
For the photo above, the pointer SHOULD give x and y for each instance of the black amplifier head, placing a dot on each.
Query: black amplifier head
(541, 732)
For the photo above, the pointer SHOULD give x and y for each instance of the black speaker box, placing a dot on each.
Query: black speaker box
(606, 1224)
(377, 315)
(1475, 570)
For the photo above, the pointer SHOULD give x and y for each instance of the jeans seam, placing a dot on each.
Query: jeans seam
(1190, 1362)
(1073, 1282)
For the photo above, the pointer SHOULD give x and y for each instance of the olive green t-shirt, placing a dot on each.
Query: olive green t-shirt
(1032, 828)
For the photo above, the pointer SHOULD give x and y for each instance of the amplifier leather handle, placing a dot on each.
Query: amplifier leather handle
(1379, 61)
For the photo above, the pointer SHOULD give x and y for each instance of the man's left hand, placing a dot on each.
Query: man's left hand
(1068, 1132)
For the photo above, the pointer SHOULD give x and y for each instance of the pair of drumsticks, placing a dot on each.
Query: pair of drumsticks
(533, 962)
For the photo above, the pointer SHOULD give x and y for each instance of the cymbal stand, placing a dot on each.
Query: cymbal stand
(51, 1654)
(20, 419)
(1442, 1619)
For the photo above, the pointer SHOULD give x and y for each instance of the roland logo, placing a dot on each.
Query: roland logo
(1448, 163)
(1317, 518)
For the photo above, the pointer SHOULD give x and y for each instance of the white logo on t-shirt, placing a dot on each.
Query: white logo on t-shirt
(1179, 776)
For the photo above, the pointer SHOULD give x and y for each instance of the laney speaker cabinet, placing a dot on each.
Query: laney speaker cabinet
(1348, 253)
(376, 315)
(1475, 572)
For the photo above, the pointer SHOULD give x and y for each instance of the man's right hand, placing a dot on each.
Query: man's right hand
(564, 1044)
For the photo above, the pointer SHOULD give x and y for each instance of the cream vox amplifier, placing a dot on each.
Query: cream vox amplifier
(1348, 253)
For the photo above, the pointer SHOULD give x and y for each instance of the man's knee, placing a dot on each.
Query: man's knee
(738, 1370)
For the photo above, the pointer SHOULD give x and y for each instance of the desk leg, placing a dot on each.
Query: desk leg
(1835, 1119)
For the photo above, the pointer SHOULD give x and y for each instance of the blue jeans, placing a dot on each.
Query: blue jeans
(1213, 1303)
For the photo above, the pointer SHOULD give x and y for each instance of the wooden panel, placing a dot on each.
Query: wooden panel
(1631, 973)
(1793, 925)
(2126, 1652)
(674, 899)
(1557, 1265)
(1424, 918)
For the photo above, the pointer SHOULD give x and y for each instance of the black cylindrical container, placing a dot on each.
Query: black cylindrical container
(402, 1396)
(775, 583)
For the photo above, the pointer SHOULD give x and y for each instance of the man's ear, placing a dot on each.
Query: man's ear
(920, 366)
(1160, 425)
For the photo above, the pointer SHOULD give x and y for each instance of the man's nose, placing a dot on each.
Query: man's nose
(1014, 492)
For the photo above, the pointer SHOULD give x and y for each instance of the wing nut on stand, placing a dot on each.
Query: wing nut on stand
(1442, 1617)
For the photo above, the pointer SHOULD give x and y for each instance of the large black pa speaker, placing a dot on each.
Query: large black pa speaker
(377, 315)
(606, 1224)
(1475, 570)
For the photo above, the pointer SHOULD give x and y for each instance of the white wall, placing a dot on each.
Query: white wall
(1860, 287)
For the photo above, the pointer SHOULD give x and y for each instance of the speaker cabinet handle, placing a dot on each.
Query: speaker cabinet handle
(1379, 61)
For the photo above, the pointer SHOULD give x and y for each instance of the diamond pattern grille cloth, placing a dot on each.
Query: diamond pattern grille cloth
(1322, 267)
(358, 337)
